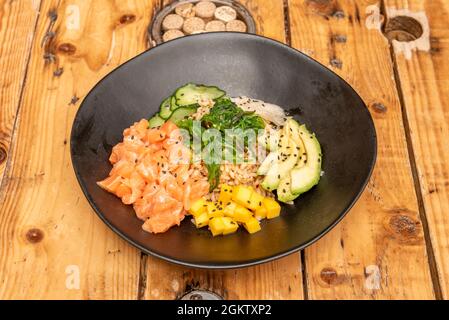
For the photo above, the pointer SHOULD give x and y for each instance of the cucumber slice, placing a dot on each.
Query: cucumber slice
(192, 93)
(182, 113)
(165, 111)
(156, 121)
(173, 105)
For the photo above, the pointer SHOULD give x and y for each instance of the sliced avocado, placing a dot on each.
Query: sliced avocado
(267, 162)
(284, 190)
(270, 139)
(292, 128)
(288, 157)
(305, 177)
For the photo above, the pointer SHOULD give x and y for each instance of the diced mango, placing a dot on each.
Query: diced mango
(255, 201)
(216, 226)
(241, 214)
(273, 208)
(230, 226)
(225, 194)
(201, 220)
(198, 207)
(252, 225)
(260, 213)
(241, 195)
(229, 210)
(214, 210)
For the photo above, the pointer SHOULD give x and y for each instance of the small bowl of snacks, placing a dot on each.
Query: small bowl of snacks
(188, 17)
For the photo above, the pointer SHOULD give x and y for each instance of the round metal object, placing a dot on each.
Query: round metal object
(155, 29)
(201, 295)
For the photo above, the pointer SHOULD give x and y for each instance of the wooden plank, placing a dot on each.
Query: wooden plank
(51, 243)
(424, 80)
(18, 21)
(277, 280)
(378, 251)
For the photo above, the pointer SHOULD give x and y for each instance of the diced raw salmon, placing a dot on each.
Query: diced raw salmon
(151, 170)
(110, 184)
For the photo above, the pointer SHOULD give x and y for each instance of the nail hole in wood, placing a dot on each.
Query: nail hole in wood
(336, 63)
(328, 275)
(379, 107)
(67, 48)
(326, 8)
(404, 225)
(340, 38)
(403, 29)
(127, 18)
(34, 235)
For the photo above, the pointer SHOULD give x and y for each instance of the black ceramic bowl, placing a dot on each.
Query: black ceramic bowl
(241, 64)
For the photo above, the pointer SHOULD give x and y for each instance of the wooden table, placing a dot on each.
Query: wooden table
(394, 244)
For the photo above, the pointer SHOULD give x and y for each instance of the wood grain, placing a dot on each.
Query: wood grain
(17, 21)
(424, 80)
(48, 232)
(277, 280)
(378, 251)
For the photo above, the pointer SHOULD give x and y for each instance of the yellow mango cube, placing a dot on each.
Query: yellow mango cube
(229, 210)
(255, 201)
(201, 220)
(241, 214)
(260, 213)
(216, 226)
(242, 195)
(198, 207)
(214, 210)
(252, 225)
(230, 226)
(225, 194)
(273, 208)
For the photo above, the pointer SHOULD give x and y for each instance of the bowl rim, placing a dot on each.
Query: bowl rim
(247, 263)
